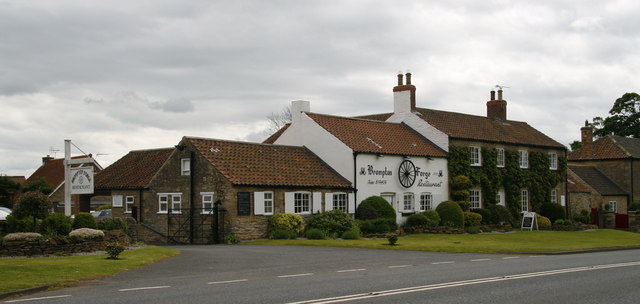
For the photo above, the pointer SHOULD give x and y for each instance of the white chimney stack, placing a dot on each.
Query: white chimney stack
(297, 107)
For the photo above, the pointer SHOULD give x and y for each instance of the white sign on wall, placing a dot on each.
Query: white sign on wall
(82, 180)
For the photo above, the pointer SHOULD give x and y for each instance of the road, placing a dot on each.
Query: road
(282, 274)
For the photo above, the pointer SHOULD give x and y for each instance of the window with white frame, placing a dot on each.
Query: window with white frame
(340, 201)
(500, 197)
(169, 200)
(128, 206)
(474, 198)
(524, 158)
(554, 196)
(613, 206)
(207, 202)
(302, 202)
(268, 202)
(524, 198)
(185, 166)
(116, 201)
(553, 161)
(426, 201)
(476, 156)
(500, 157)
(407, 202)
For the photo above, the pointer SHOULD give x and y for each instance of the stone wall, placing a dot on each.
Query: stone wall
(61, 245)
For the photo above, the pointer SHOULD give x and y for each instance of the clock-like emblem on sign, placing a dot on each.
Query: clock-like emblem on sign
(407, 173)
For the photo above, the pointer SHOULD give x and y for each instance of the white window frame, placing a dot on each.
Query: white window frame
(340, 201)
(475, 198)
(207, 202)
(500, 157)
(185, 166)
(524, 199)
(553, 161)
(476, 156)
(426, 201)
(116, 201)
(408, 202)
(128, 203)
(524, 159)
(170, 201)
(302, 202)
(554, 196)
(268, 202)
(613, 205)
(500, 197)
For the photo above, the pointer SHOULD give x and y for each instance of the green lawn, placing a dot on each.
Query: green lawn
(20, 273)
(515, 242)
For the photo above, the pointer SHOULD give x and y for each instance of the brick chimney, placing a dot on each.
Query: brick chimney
(404, 95)
(46, 159)
(586, 150)
(497, 108)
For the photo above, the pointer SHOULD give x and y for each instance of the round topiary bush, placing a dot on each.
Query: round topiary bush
(486, 215)
(333, 223)
(366, 212)
(552, 211)
(314, 234)
(416, 219)
(500, 214)
(450, 214)
(543, 222)
(286, 221)
(351, 234)
(84, 220)
(433, 218)
(384, 209)
(56, 224)
(472, 219)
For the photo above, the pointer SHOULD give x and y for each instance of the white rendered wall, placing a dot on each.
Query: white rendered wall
(421, 126)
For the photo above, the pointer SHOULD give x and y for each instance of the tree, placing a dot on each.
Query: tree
(38, 185)
(8, 188)
(33, 203)
(624, 119)
(278, 120)
(575, 145)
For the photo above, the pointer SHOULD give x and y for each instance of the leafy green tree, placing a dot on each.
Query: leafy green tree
(8, 188)
(33, 203)
(575, 145)
(624, 119)
(38, 185)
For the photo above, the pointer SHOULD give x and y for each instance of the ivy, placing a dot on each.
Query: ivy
(538, 179)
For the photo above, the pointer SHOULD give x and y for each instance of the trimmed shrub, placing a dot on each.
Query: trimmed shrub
(464, 205)
(56, 224)
(114, 250)
(486, 215)
(584, 217)
(314, 234)
(22, 236)
(87, 234)
(392, 238)
(113, 224)
(450, 214)
(382, 207)
(381, 225)
(552, 211)
(543, 222)
(472, 219)
(332, 223)
(416, 219)
(84, 220)
(13, 225)
(32, 203)
(283, 234)
(473, 230)
(286, 221)
(351, 234)
(433, 218)
(366, 212)
(500, 214)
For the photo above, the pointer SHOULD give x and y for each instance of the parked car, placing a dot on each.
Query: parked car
(101, 214)
(3, 213)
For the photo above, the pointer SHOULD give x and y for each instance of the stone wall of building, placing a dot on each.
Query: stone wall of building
(579, 201)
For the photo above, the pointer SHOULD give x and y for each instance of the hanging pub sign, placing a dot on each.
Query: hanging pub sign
(82, 180)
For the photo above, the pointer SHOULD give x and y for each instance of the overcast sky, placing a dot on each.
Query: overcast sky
(116, 76)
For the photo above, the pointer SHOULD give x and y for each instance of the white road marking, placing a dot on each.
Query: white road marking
(37, 299)
(391, 292)
(295, 275)
(226, 282)
(399, 266)
(351, 270)
(144, 288)
(509, 258)
(480, 260)
(447, 262)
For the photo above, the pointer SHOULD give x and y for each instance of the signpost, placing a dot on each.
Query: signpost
(529, 220)
(78, 180)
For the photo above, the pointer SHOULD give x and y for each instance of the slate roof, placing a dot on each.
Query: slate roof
(52, 172)
(597, 180)
(255, 164)
(370, 136)
(473, 127)
(575, 184)
(610, 147)
(134, 170)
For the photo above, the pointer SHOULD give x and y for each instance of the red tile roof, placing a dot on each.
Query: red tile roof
(370, 136)
(473, 127)
(52, 172)
(244, 163)
(610, 147)
(134, 170)
(276, 135)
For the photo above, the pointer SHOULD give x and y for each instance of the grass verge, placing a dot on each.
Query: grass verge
(21, 273)
(516, 242)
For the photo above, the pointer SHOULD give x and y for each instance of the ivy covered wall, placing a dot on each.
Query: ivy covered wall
(538, 178)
